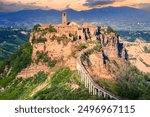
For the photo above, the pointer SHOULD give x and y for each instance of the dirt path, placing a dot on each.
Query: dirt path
(42, 86)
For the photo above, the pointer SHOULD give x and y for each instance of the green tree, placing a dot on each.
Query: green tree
(17, 62)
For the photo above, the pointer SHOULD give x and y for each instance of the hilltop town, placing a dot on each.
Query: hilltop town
(63, 42)
(95, 49)
(76, 61)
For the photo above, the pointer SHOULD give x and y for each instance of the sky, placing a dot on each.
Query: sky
(16, 5)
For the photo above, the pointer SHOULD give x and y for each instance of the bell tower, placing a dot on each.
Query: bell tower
(64, 18)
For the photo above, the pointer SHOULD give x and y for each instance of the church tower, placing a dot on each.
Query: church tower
(64, 18)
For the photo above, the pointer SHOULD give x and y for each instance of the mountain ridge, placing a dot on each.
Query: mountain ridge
(118, 17)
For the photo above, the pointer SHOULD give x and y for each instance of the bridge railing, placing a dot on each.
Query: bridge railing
(94, 89)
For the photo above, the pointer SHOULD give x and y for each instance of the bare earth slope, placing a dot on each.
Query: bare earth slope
(139, 54)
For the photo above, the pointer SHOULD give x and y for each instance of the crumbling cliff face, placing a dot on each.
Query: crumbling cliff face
(50, 50)
(139, 54)
(105, 61)
(54, 48)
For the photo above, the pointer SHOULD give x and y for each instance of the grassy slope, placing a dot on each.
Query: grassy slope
(22, 88)
(21, 59)
(61, 88)
(131, 84)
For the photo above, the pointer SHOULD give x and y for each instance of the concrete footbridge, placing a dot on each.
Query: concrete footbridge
(93, 88)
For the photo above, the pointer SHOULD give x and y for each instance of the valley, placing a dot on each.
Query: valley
(10, 41)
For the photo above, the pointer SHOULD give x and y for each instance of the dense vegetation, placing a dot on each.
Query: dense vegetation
(130, 84)
(64, 84)
(50, 29)
(60, 39)
(110, 30)
(43, 57)
(18, 61)
(38, 28)
(23, 88)
(146, 49)
(62, 87)
(38, 40)
(10, 40)
(81, 47)
(85, 55)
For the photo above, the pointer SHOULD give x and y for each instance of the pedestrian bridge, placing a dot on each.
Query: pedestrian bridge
(93, 88)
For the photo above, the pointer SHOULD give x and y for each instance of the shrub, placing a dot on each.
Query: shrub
(39, 40)
(41, 56)
(110, 29)
(98, 47)
(59, 39)
(36, 27)
(52, 63)
(81, 47)
(17, 62)
(146, 49)
(52, 29)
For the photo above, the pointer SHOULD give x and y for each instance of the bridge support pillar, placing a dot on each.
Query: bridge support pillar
(104, 94)
(82, 78)
(85, 81)
(93, 90)
(99, 93)
(90, 87)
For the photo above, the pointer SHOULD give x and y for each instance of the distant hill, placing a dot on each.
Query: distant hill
(133, 35)
(10, 40)
(120, 18)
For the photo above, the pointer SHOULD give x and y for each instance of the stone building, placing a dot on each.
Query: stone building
(86, 31)
(64, 18)
(112, 49)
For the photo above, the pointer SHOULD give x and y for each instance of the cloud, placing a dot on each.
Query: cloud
(10, 7)
(68, 6)
(145, 6)
(95, 3)
(17, 5)
(32, 3)
(4, 7)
